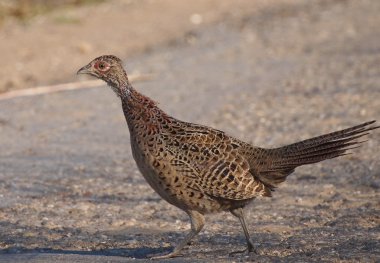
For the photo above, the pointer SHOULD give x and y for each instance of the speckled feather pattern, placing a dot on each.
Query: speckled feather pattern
(189, 165)
(203, 170)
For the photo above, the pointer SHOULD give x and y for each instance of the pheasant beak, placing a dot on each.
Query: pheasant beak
(85, 70)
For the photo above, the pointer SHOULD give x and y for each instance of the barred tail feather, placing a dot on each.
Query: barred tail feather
(282, 161)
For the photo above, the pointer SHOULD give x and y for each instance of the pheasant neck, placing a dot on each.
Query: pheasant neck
(125, 89)
(139, 110)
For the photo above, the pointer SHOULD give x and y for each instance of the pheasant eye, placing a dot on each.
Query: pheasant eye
(102, 66)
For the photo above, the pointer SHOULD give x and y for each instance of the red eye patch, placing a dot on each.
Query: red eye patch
(102, 66)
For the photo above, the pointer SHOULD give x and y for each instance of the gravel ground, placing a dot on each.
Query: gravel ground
(70, 191)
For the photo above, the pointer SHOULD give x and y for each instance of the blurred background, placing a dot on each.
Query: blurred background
(44, 41)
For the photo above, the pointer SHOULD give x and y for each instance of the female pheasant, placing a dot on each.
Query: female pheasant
(203, 170)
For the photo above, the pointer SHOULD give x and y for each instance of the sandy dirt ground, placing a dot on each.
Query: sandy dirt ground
(70, 190)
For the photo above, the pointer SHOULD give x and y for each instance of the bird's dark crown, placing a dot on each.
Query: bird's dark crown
(110, 59)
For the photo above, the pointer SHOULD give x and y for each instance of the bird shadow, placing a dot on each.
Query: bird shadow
(136, 253)
(21, 239)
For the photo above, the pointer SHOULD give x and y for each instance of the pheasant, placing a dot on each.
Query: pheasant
(203, 170)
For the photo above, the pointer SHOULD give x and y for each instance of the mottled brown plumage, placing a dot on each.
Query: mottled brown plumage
(203, 170)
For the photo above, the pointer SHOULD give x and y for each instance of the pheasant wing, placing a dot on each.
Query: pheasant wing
(214, 162)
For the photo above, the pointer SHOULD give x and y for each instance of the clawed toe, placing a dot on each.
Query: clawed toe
(166, 256)
(248, 250)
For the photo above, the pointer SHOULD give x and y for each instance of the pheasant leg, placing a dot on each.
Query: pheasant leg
(250, 248)
(197, 223)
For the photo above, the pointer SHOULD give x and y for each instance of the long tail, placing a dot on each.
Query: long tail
(282, 161)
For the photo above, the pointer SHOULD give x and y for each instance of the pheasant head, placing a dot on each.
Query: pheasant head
(110, 69)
